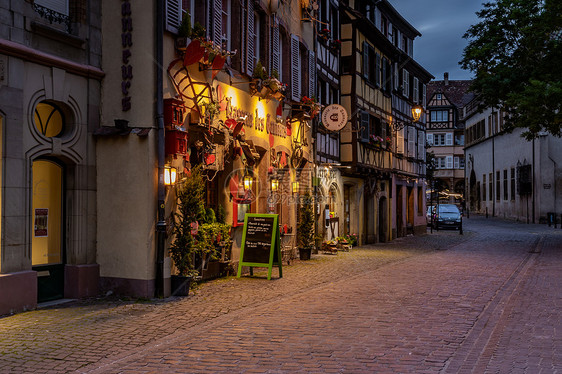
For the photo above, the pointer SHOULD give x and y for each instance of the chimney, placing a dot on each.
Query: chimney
(446, 78)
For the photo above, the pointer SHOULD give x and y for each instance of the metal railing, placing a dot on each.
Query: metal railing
(53, 16)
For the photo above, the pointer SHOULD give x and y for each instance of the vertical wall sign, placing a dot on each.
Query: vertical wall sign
(126, 44)
(41, 222)
(260, 243)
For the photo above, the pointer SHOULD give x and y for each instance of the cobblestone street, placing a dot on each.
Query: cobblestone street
(485, 301)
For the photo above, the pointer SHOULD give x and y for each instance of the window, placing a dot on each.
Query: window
(257, 39)
(456, 163)
(438, 96)
(505, 196)
(512, 184)
(484, 187)
(49, 120)
(438, 139)
(439, 115)
(440, 163)
(449, 160)
(491, 186)
(498, 185)
(59, 6)
(459, 139)
(276, 49)
(461, 162)
(371, 64)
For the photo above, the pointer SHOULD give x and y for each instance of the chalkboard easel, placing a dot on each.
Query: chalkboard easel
(260, 243)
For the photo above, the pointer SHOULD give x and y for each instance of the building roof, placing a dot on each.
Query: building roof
(457, 91)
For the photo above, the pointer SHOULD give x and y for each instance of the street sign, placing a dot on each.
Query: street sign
(260, 243)
(334, 117)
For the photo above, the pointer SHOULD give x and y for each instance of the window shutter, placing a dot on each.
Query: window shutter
(295, 68)
(396, 80)
(424, 95)
(449, 162)
(364, 130)
(400, 141)
(421, 145)
(448, 138)
(385, 77)
(411, 141)
(429, 138)
(456, 162)
(173, 15)
(366, 60)
(416, 90)
(60, 6)
(251, 34)
(275, 46)
(216, 22)
(378, 69)
(311, 74)
(406, 83)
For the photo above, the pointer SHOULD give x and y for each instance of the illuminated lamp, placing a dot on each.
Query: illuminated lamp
(416, 112)
(170, 174)
(295, 187)
(274, 185)
(248, 180)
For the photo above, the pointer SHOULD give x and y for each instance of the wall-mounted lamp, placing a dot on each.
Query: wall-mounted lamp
(170, 175)
(274, 185)
(295, 187)
(417, 111)
(248, 180)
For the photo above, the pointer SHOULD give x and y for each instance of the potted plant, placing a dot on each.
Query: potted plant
(213, 246)
(184, 32)
(264, 86)
(305, 227)
(190, 211)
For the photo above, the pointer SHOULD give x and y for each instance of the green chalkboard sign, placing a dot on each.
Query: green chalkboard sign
(260, 243)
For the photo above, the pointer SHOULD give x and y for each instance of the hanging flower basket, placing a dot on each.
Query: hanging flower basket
(308, 108)
(268, 89)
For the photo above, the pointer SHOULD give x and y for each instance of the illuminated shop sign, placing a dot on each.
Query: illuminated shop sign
(256, 119)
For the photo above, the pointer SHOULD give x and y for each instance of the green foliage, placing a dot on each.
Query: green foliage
(221, 214)
(305, 227)
(191, 208)
(259, 71)
(515, 53)
(185, 27)
(198, 31)
(210, 215)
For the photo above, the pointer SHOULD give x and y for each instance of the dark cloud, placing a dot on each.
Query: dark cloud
(442, 24)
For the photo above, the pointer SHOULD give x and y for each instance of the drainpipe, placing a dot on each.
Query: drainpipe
(534, 183)
(161, 223)
(494, 180)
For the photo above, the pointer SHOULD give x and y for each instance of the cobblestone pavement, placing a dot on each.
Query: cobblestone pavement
(486, 301)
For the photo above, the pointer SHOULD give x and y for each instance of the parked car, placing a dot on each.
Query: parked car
(447, 216)
(428, 213)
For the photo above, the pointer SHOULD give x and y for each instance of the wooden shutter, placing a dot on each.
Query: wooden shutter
(311, 74)
(421, 145)
(406, 83)
(396, 80)
(411, 141)
(424, 95)
(449, 162)
(416, 90)
(275, 46)
(377, 79)
(366, 60)
(295, 68)
(429, 138)
(60, 6)
(216, 22)
(448, 138)
(364, 126)
(400, 141)
(250, 38)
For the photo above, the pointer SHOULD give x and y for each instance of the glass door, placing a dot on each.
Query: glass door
(47, 218)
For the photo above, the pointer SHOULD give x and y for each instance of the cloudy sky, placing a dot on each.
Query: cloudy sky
(442, 24)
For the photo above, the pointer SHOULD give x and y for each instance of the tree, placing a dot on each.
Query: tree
(515, 52)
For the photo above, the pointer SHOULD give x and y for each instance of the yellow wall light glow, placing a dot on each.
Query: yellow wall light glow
(260, 109)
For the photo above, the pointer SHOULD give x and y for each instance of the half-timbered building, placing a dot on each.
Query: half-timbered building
(445, 136)
(378, 72)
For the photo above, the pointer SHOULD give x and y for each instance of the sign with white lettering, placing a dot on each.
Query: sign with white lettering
(334, 117)
(260, 243)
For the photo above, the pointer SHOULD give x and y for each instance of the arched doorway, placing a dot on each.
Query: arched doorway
(47, 207)
(47, 232)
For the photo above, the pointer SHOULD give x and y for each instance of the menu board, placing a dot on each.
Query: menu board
(260, 243)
